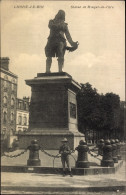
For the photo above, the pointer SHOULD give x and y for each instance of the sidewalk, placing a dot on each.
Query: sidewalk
(33, 183)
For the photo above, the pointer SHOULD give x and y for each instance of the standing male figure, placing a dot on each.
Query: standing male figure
(65, 152)
(56, 44)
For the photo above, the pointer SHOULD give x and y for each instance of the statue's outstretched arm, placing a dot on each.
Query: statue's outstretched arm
(68, 36)
(72, 43)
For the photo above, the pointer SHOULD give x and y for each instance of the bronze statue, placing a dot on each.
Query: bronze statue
(56, 45)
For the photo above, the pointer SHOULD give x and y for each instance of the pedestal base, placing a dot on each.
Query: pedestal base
(115, 159)
(82, 164)
(33, 162)
(107, 163)
(50, 139)
(119, 157)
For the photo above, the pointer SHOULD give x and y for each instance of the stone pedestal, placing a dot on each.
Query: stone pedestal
(53, 111)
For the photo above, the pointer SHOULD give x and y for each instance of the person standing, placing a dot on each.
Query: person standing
(65, 153)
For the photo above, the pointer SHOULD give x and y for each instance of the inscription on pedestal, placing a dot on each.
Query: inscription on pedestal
(72, 110)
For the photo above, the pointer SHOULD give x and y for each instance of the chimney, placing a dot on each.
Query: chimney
(4, 63)
(27, 99)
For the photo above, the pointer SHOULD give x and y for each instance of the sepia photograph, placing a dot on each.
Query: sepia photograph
(62, 102)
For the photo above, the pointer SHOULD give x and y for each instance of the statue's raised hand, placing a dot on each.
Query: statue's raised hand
(74, 46)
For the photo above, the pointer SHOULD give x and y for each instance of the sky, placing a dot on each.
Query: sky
(97, 26)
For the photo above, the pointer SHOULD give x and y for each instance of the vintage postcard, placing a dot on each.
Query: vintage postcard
(62, 72)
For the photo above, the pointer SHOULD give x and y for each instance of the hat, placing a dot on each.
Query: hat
(64, 140)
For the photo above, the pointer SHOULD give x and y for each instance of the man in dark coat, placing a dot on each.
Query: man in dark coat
(65, 153)
(56, 44)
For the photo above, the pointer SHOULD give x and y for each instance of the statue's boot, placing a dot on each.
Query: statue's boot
(60, 64)
(48, 64)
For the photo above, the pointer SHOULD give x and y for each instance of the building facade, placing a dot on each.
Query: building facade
(14, 112)
(8, 99)
(22, 121)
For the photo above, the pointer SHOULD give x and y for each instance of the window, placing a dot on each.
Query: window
(25, 120)
(5, 84)
(4, 131)
(25, 105)
(12, 117)
(5, 81)
(5, 117)
(20, 120)
(19, 129)
(5, 100)
(3, 134)
(12, 86)
(12, 101)
(19, 105)
(11, 132)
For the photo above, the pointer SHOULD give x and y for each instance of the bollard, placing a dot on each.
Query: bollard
(107, 160)
(118, 149)
(82, 160)
(114, 151)
(100, 147)
(34, 154)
